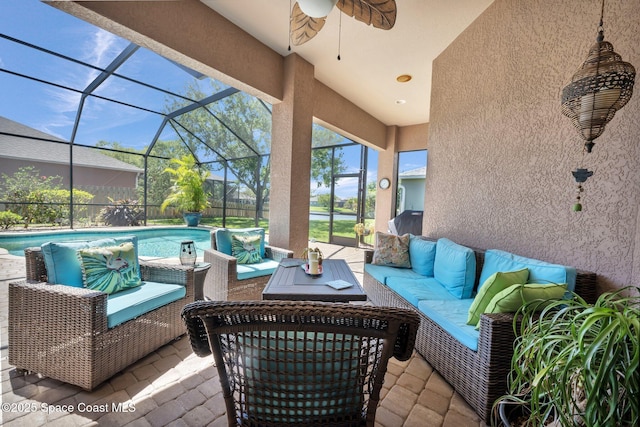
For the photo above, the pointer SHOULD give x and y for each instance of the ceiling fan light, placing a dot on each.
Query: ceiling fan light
(317, 8)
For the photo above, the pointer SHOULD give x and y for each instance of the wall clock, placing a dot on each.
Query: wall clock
(384, 183)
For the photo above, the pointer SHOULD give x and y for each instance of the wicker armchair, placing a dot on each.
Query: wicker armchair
(300, 363)
(222, 283)
(61, 331)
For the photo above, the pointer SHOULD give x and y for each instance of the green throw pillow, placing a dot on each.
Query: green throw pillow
(110, 269)
(495, 283)
(512, 298)
(392, 250)
(246, 248)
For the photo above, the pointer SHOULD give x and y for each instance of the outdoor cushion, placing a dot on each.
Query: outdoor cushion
(455, 268)
(495, 283)
(246, 248)
(62, 263)
(422, 254)
(451, 315)
(513, 297)
(382, 272)
(131, 303)
(249, 271)
(415, 290)
(223, 238)
(109, 268)
(392, 250)
(539, 271)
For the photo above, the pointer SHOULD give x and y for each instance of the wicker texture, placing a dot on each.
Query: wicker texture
(300, 363)
(222, 284)
(480, 377)
(61, 331)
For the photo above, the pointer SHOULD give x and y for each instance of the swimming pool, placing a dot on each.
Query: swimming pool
(159, 242)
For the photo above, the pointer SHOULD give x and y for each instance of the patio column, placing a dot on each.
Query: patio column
(387, 168)
(291, 158)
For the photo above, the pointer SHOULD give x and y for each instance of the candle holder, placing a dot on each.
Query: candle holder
(188, 253)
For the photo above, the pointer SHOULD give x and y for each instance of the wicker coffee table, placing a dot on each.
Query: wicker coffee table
(290, 282)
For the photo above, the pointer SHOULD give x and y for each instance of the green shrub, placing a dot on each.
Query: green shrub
(9, 219)
(122, 213)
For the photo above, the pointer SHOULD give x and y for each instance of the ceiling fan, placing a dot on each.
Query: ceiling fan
(308, 16)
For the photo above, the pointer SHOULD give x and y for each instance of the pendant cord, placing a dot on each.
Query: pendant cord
(339, 35)
(289, 48)
(601, 24)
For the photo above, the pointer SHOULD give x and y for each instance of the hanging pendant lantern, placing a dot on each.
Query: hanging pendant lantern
(599, 88)
(188, 253)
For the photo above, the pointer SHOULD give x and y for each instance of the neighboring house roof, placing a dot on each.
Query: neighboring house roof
(414, 173)
(36, 150)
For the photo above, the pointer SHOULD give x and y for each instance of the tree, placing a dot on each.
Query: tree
(237, 131)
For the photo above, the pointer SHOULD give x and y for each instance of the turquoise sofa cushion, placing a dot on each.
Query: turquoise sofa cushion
(455, 268)
(415, 290)
(382, 272)
(539, 271)
(451, 315)
(224, 240)
(249, 271)
(131, 303)
(62, 262)
(422, 254)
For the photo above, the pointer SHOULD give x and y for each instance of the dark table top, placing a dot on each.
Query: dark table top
(292, 283)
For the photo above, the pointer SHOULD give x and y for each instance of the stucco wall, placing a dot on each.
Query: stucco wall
(501, 153)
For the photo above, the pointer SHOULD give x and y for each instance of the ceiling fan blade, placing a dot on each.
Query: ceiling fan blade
(379, 13)
(303, 27)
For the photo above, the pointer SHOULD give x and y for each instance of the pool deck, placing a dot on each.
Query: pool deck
(173, 387)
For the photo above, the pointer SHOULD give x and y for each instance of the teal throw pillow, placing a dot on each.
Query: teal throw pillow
(495, 283)
(246, 249)
(223, 238)
(110, 269)
(392, 250)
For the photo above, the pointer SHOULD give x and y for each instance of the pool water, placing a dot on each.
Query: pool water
(158, 242)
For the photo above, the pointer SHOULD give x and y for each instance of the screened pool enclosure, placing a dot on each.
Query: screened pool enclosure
(89, 122)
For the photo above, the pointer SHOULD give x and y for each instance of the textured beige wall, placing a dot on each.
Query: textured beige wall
(501, 153)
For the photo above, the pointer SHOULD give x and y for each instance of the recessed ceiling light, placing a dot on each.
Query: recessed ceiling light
(403, 78)
(400, 101)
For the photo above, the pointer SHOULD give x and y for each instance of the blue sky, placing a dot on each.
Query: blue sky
(53, 110)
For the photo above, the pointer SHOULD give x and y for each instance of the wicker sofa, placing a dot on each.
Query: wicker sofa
(62, 331)
(227, 280)
(480, 375)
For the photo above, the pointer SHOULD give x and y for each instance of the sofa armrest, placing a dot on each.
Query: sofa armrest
(277, 254)
(166, 273)
(368, 256)
(74, 317)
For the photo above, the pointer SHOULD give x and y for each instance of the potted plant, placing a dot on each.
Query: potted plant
(576, 364)
(187, 192)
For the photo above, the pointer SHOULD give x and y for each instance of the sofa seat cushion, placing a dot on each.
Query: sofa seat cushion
(131, 303)
(62, 262)
(382, 272)
(249, 271)
(451, 315)
(455, 268)
(539, 271)
(415, 290)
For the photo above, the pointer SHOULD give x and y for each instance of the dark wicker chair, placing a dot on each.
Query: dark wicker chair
(300, 363)
(222, 283)
(61, 332)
